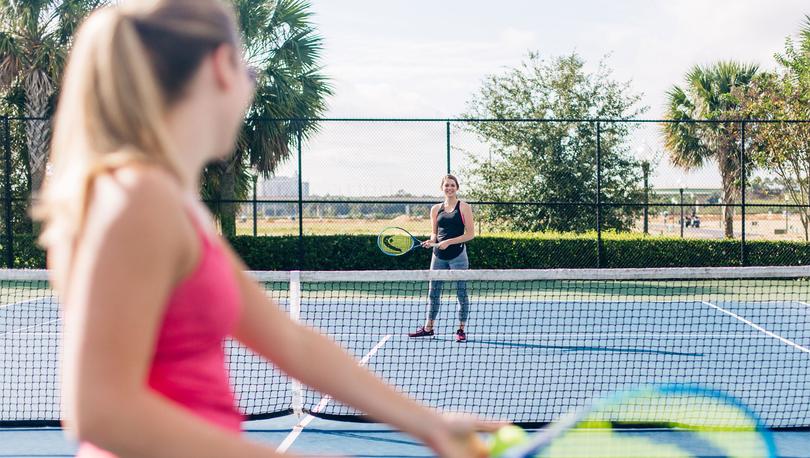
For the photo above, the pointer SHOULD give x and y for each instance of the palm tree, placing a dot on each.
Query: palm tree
(281, 42)
(35, 36)
(709, 93)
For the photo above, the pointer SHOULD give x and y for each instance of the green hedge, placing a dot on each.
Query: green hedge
(520, 251)
(27, 254)
(507, 251)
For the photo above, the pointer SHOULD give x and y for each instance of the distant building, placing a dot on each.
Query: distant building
(280, 188)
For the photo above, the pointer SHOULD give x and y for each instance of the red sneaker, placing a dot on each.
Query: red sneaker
(461, 336)
(421, 332)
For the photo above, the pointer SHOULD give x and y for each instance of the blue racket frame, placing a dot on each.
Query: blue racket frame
(545, 438)
(380, 242)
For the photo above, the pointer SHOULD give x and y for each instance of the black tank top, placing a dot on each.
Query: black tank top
(451, 225)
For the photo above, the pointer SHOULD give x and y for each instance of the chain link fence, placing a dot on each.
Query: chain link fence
(593, 179)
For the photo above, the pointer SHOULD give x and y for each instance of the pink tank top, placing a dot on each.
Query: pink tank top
(189, 362)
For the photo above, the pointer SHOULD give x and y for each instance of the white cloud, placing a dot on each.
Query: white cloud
(516, 38)
(426, 59)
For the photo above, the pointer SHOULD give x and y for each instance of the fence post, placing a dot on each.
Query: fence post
(300, 206)
(255, 205)
(680, 204)
(599, 248)
(645, 168)
(743, 251)
(447, 132)
(7, 194)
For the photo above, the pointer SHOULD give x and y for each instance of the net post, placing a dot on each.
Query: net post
(296, 388)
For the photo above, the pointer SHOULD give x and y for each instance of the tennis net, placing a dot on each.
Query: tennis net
(540, 342)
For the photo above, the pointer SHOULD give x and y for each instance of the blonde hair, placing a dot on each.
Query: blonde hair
(129, 64)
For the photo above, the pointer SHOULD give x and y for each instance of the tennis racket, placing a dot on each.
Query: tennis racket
(655, 421)
(396, 241)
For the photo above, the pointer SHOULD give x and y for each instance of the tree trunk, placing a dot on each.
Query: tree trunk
(805, 219)
(227, 192)
(37, 133)
(729, 199)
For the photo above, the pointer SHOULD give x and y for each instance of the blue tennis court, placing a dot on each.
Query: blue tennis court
(320, 437)
(536, 350)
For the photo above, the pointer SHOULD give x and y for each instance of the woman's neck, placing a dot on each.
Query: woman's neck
(449, 201)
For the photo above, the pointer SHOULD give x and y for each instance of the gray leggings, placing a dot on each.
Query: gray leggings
(460, 262)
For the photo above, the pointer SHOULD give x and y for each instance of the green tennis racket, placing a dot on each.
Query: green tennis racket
(674, 421)
(396, 241)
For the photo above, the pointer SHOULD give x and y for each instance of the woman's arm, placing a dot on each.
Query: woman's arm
(469, 227)
(133, 251)
(320, 363)
(434, 224)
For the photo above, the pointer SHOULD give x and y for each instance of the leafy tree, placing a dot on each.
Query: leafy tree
(783, 148)
(35, 36)
(709, 94)
(550, 161)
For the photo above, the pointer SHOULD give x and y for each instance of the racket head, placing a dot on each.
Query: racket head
(672, 420)
(396, 241)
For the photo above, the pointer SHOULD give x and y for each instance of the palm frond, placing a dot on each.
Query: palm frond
(804, 35)
(282, 41)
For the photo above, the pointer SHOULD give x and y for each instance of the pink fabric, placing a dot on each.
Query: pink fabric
(188, 367)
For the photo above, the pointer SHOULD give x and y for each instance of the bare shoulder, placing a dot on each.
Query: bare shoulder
(465, 206)
(435, 208)
(142, 202)
(136, 191)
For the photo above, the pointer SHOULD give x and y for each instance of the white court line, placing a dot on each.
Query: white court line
(804, 303)
(34, 334)
(15, 331)
(640, 335)
(760, 328)
(365, 300)
(573, 334)
(297, 429)
(35, 301)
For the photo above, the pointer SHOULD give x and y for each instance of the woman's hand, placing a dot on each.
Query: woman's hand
(458, 437)
(428, 243)
(444, 244)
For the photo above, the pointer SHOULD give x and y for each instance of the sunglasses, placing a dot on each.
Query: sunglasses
(253, 75)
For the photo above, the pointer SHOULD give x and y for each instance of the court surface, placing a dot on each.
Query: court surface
(319, 437)
(557, 354)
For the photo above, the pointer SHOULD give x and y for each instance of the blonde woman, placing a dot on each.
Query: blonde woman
(453, 226)
(153, 91)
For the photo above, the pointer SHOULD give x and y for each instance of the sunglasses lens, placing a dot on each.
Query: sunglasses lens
(253, 74)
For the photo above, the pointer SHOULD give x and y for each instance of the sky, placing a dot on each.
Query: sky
(422, 58)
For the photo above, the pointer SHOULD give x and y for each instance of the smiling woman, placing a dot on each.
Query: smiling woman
(453, 226)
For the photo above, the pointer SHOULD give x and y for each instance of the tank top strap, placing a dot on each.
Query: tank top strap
(199, 227)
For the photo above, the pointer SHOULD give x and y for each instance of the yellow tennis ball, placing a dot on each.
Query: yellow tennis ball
(506, 438)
